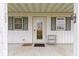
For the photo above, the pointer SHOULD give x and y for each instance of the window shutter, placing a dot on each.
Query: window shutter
(53, 23)
(68, 23)
(10, 23)
(25, 23)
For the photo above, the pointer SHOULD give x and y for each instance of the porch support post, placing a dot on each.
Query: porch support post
(76, 28)
(3, 29)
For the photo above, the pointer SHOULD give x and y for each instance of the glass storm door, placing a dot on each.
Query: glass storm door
(38, 29)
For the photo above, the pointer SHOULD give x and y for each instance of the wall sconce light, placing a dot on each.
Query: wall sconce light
(73, 17)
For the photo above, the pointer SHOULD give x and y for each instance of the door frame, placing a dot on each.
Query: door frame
(44, 28)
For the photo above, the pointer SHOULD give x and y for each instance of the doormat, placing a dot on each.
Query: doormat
(27, 44)
(39, 45)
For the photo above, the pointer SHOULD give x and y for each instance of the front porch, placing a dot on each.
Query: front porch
(48, 50)
(54, 20)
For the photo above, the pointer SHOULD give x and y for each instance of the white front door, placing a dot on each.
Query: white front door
(39, 29)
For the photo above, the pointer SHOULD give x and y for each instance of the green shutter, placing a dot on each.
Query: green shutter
(10, 23)
(53, 23)
(68, 24)
(25, 23)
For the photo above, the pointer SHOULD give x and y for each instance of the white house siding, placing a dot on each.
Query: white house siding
(62, 36)
(18, 36)
(21, 36)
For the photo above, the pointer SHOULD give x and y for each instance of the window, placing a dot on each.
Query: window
(18, 23)
(61, 23)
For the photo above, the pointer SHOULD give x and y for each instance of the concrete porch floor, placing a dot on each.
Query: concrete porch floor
(48, 50)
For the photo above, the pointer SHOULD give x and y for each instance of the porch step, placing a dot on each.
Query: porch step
(39, 45)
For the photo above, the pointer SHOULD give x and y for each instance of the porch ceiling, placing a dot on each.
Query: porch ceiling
(41, 7)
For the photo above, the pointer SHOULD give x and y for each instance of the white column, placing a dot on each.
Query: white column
(0, 38)
(3, 29)
(77, 30)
